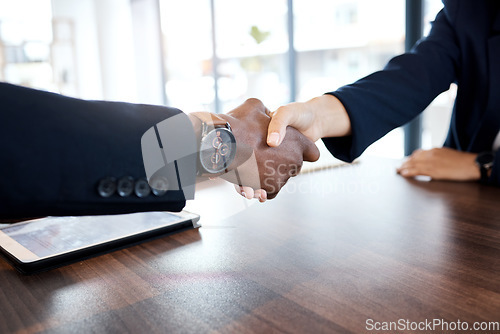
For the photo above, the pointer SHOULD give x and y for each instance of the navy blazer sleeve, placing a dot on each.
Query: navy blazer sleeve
(390, 98)
(54, 151)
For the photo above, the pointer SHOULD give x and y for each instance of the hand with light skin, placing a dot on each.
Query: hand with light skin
(325, 116)
(442, 164)
(322, 116)
(263, 170)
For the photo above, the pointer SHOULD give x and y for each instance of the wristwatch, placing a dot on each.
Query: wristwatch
(217, 145)
(485, 162)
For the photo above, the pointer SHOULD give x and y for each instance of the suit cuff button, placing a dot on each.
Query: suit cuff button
(142, 188)
(125, 186)
(106, 187)
(159, 186)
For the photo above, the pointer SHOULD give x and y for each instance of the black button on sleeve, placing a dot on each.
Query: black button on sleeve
(142, 188)
(159, 186)
(125, 186)
(106, 187)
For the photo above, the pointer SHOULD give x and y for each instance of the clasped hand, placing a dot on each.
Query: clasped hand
(260, 170)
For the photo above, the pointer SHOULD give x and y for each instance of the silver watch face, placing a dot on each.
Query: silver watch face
(217, 150)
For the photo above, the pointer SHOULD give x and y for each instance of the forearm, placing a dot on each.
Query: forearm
(331, 115)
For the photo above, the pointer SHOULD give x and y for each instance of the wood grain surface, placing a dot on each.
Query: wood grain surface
(336, 248)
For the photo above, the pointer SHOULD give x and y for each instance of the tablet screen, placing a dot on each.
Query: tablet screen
(50, 236)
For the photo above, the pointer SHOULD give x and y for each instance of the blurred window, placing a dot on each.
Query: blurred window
(336, 42)
(251, 47)
(340, 41)
(187, 47)
(25, 43)
(217, 53)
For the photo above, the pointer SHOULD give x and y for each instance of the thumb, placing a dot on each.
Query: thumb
(311, 151)
(280, 119)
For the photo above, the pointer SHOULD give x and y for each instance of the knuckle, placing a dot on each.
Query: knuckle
(435, 152)
(416, 153)
(254, 101)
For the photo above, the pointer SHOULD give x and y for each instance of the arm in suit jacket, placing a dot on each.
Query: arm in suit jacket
(65, 156)
(463, 47)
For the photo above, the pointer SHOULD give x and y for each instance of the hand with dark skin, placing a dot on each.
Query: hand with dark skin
(275, 165)
(262, 170)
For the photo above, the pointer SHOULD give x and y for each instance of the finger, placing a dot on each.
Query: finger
(239, 189)
(247, 192)
(417, 170)
(414, 172)
(404, 165)
(408, 168)
(420, 163)
(281, 118)
(411, 162)
(261, 195)
(408, 172)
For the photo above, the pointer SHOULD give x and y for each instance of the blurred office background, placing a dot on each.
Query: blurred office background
(209, 54)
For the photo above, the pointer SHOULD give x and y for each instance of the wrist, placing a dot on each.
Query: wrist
(240, 132)
(332, 116)
(216, 143)
(484, 164)
(195, 121)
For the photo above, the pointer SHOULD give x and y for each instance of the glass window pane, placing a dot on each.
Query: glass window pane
(252, 45)
(340, 41)
(436, 118)
(186, 27)
(25, 43)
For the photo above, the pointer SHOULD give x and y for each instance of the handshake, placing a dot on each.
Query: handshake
(257, 169)
(256, 150)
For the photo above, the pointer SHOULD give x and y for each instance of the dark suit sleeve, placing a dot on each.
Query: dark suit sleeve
(55, 150)
(390, 98)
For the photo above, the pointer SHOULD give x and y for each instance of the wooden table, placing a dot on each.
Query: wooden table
(337, 251)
